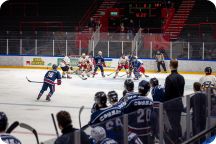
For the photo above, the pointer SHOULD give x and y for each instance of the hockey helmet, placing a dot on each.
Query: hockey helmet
(100, 98)
(54, 66)
(144, 87)
(129, 85)
(208, 70)
(83, 54)
(99, 52)
(154, 82)
(3, 121)
(98, 133)
(112, 96)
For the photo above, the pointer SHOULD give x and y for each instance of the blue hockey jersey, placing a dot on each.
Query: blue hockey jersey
(110, 119)
(8, 139)
(51, 76)
(158, 93)
(136, 63)
(140, 116)
(99, 60)
(108, 141)
(128, 96)
(104, 114)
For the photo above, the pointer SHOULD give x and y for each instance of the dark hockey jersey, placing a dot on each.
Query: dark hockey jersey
(8, 139)
(99, 60)
(51, 76)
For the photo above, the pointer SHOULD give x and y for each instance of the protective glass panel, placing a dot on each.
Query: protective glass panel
(14, 46)
(180, 50)
(60, 48)
(72, 47)
(210, 51)
(195, 50)
(45, 47)
(102, 46)
(116, 49)
(28, 46)
(3, 46)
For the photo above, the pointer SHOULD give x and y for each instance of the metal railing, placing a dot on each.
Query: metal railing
(111, 44)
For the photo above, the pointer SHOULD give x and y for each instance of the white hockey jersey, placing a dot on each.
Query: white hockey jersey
(208, 81)
(123, 61)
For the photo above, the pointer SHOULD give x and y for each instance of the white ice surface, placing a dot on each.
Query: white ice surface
(18, 98)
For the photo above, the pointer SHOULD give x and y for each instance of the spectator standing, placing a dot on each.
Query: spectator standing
(174, 90)
(7, 138)
(91, 25)
(131, 29)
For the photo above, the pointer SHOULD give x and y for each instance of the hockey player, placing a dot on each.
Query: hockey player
(108, 117)
(6, 138)
(89, 67)
(122, 63)
(66, 68)
(208, 80)
(98, 134)
(99, 63)
(85, 65)
(49, 80)
(131, 57)
(113, 100)
(129, 91)
(157, 90)
(138, 68)
(140, 110)
(103, 112)
(82, 63)
(112, 97)
(158, 93)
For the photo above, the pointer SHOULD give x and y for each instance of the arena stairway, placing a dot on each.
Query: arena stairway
(177, 23)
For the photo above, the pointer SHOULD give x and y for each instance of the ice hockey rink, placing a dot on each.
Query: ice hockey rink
(18, 98)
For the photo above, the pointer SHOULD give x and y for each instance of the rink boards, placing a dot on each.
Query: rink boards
(186, 66)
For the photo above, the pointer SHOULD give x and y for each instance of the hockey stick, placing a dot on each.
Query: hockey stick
(146, 75)
(123, 75)
(12, 127)
(80, 111)
(110, 74)
(28, 127)
(34, 81)
(83, 78)
(54, 122)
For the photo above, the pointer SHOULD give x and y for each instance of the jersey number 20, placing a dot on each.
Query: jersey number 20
(144, 115)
